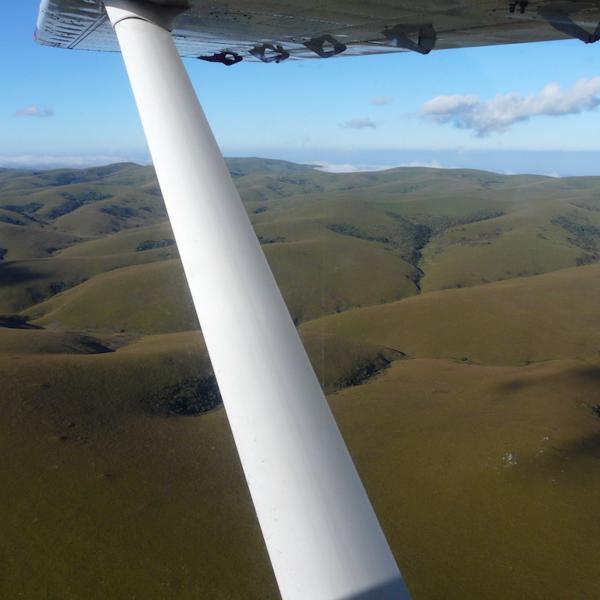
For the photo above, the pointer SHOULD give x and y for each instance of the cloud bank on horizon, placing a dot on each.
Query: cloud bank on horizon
(502, 112)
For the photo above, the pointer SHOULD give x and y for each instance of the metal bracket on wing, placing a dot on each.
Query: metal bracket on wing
(140, 9)
(561, 21)
(268, 53)
(399, 35)
(226, 58)
(325, 46)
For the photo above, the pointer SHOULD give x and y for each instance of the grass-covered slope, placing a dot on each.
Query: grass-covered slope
(485, 479)
(146, 298)
(414, 229)
(498, 463)
(543, 234)
(316, 277)
(24, 283)
(551, 316)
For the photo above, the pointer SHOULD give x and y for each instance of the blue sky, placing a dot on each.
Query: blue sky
(71, 107)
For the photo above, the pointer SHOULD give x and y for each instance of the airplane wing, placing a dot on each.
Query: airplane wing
(270, 31)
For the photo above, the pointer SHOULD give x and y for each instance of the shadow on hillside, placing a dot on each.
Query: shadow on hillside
(566, 462)
(588, 445)
(17, 322)
(11, 273)
(591, 373)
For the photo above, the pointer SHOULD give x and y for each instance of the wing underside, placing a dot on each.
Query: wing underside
(273, 31)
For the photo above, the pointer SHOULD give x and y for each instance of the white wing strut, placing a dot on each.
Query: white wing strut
(323, 538)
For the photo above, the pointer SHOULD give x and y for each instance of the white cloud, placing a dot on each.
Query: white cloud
(499, 114)
(433, 164)
(34, 111)
(328, 167)
(381, 100)
(359, 123)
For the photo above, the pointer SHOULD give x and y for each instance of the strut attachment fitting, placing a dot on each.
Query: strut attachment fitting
(226, 58)
(399, 35)
(162, 16)
(268, 53)
(562, 21)
(325, 46)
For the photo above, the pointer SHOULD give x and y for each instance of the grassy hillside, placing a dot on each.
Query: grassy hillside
(451, 315)
(147, 298)
(499, 462)
(24, 283)
(519, 321)
(485, 478)
(543, 235)
(19, 241)
(427, 229)
(139, 239)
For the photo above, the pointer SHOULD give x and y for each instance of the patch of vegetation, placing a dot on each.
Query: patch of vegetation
(74, 201)
(439, 224)
(23, 209)
(70, 205)
(122, 212)
(152, 244)
(271, 239)
(10, 220)
(583, 235)
(58, 286)
(420, 236)
(352, 231)
(94, 345)
(365, 372)
(587, 259)
(190, 397)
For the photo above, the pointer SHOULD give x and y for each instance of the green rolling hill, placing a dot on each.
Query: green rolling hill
(520, 321)
(451, 316)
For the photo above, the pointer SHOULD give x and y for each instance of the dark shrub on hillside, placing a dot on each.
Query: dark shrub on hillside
(151, 244)
(122, 212)
(190, 397)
